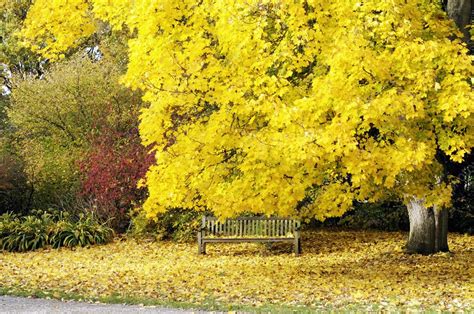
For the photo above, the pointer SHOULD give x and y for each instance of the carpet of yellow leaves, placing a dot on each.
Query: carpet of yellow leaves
(337, 268)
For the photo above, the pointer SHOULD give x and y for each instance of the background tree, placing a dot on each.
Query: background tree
(14, 57)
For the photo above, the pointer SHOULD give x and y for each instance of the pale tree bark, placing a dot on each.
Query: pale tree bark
(421, 238)
(428, 228)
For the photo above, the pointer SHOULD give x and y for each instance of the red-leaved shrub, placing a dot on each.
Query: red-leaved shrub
(111, 171)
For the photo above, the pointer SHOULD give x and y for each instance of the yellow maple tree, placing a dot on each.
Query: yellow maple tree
(260, 105)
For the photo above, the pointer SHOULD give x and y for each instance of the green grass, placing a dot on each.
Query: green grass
(208, 304)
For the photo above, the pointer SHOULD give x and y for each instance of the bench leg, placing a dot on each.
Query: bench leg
(297, 244)
(201, 244)
(202, 248)
(199, 236)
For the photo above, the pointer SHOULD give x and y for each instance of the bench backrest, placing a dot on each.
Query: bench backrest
(250, 227)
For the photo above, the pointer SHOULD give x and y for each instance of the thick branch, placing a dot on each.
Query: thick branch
(460, 12)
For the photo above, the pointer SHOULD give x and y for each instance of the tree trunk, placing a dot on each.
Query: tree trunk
(428, 228)
(460, 12)
(441, 229)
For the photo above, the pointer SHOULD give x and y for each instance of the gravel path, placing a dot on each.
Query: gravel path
(29, 305)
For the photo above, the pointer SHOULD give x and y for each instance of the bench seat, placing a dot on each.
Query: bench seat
(251, 229)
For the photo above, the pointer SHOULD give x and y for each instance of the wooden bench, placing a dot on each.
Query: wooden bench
(252, 229)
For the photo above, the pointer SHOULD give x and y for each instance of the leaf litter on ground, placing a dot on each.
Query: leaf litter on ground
(337, 269)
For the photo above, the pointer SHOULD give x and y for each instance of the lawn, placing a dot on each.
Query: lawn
(338, 269)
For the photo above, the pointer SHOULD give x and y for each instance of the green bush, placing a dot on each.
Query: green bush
(29, 234)
(14, 188)
(389, 216)
(20, 234)
(8, 223)
(56, 119)
(178, 224)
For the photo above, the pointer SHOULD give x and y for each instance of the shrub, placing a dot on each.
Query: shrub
(25, 234)
(20, 234)
(77, 131)
(14, 189)
(55, 119)
(110, 174)
(8, 223)
(86, 231)
(177, 224)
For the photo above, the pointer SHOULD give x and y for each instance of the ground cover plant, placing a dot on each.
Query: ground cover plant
(31, 232)
(337, 269)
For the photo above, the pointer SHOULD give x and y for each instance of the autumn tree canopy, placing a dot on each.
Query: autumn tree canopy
(285, 107)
